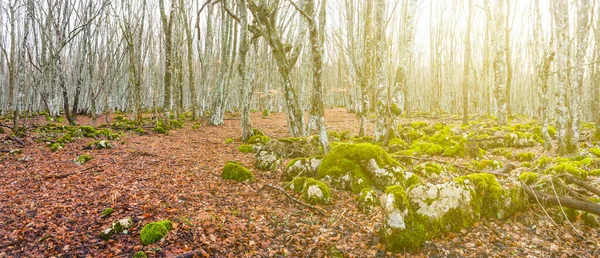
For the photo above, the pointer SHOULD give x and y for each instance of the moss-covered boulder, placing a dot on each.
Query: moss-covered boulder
(295, 147)
(155, 231)
(316, 192)
(82, 159)
(416, 214)
(119, 226)
(297, 184)
(246, 148)
(397, 144)
(101, 144)
(236, 171)
(106, 212)
(357, 166)
(259, 139)
(266, 161)
(367, 200)
(529, 177)
(307, 167)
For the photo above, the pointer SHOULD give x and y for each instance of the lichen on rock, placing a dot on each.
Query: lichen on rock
(368, 200)
(119, 226)
(316, 192)
(301, 167)
(266, 160)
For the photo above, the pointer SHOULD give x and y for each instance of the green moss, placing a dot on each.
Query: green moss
(66, 138)
(419, 124)
(82, 159)
(487, 194)
(486, 164)
(297, 184)
(367, 200)
(265, 113)
(106, 212)
(139, 254)
(428, 169)
(529, 177)
(140, 131)
(228, 140)
(595, 172)
(316, 192)
(235, 171)
(102, 144)
(56, 146)
(431, 149)
(87, 131)
(159, 129)
(196, 126)
(357, 166)
(525, 156)
(526, 164)
(258, 139)
(155, 231)
(334, 252)
(256, 131)
(176, 124)
(416, 228)
(590, 220)
(246, 148)
(397, 144)
(595, 151)
(301, 167)
(571, 167)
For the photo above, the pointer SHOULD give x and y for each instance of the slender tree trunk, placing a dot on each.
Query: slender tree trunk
(366, 73)
(561, 33)
(576, 84)
(190, 60)
(500, 64)
(509, 68)
(381, 82)
(167, 24)
(467, 62)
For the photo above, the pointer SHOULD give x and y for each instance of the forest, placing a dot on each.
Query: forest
(301, 128)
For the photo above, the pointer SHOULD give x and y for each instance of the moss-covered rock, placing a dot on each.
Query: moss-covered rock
(155, 231)
(56, 146)
(295, 147)
(397, 144)
(525, 156)
(119, 226)
(567, 166)
(236, 171)
(82, 159)
(228, 140)
(101, 144)
(367, 200)
(246, 148)
(307, 167)
(595, 151)
(140, 131)
(486, 164)
(297, 184)
(426, 148)
(106, 212)
(258, 139)
(266, 161)
(316, 192)
(160, 130)
(529, 177)
(428, 169)
(358, 166)
(87, 131)
(139, 254)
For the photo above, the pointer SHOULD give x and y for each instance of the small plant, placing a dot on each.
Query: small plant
(140, 254)
(56, 146)
(140, 131)
(196, 126)
(228, 140)
(265, 112)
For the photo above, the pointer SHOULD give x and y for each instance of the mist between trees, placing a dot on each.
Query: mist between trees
(388, 58)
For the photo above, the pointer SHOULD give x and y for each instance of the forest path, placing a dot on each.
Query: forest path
(177, 177)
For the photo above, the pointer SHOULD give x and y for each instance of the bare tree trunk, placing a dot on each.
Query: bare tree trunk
(366, 73)
(561, 33)
(384, 118)
(500, 63)
(509, 68)
(190, 60)
(576, 84)
(467, 62)
(167, 24)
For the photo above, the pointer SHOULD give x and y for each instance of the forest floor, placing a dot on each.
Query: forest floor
(49, 206)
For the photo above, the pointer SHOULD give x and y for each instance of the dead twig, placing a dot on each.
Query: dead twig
(59, 176)
(571, 179)
(545, 199)
(320, 211)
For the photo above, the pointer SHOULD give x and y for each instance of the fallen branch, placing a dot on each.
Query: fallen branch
(192, 254)
(4, 151)
(571, 179)
(296, 200)
(545, 198)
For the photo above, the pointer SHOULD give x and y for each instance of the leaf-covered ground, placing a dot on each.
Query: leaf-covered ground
(50, 206)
